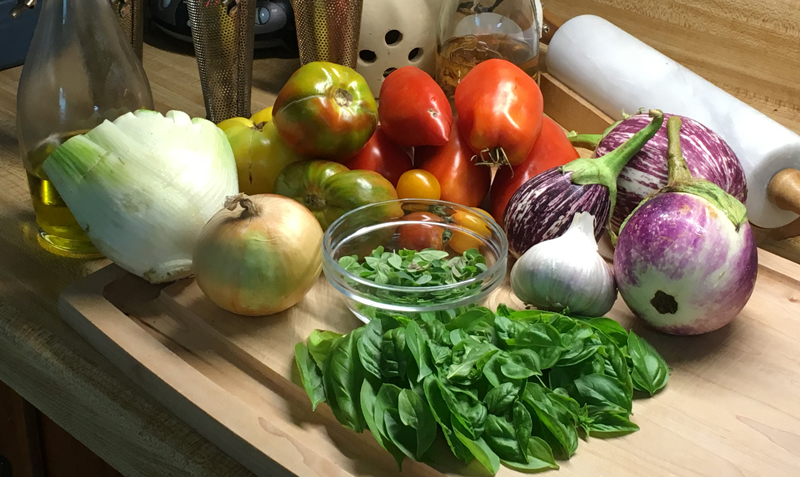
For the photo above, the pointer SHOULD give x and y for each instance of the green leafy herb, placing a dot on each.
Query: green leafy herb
(511, 387)
(310, 375)
(650, 372)
(410, 268)
(342, 379)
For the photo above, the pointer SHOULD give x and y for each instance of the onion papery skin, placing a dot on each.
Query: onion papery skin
(683, 267)
(542, 209)
(708, 156)
(263, 264)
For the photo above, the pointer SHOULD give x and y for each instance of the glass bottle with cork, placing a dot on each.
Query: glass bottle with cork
(80, 71)
(471, 31)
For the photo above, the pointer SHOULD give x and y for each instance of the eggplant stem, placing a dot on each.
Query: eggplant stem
(678, 170)
(586, 141)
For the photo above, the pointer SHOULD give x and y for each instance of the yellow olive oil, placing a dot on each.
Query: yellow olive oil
(59, 232)
(457, 56)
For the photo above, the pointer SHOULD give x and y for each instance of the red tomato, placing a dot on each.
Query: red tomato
(382, 156)
(461, 180)
(413, 110)
(553, 149)
(418, 184)
(419, 237)
(500, 111)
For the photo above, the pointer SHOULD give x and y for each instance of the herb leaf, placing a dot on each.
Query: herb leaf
(650, 372)
(310, 375)
(342, 379)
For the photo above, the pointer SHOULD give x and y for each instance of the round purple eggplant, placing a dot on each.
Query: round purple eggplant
(708, 156)
(542, 208)
(686, 259)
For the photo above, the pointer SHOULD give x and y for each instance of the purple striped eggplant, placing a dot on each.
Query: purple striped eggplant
(708, 156)
(686, 259)
(543, 207)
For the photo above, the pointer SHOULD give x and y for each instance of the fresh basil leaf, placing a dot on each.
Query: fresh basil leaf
(612, 329)
(499, 399)
(369, 348)
(507, 329)
(604, 391)
(434, 392)
(415, 413)
(502, 439)
(457, 336)
(310, 375)
(468, 358)
(470, 318)
(401, 436)
(431, 255)
(539, 457)
(466, 410)
(483, 332)
(369, 394)
(396, 261)
(650, 372)
(342, 378)
(618, 364)
(416, 342)
(523, 424)
(543, 339)
(565, 376)
(439, 353)
(481, 451)
(394, 359)
(611, 424)
(555, 417)
(319, 345)
(521, 364)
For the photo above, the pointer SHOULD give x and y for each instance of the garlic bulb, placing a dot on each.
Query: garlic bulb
(566, 272)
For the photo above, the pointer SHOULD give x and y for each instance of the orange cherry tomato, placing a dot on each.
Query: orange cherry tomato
(418, 236)
(418, 184)
(475, 222)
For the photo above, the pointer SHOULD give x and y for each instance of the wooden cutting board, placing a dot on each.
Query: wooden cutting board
(732, 406)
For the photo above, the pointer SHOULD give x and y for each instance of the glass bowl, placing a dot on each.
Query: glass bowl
(360, 231)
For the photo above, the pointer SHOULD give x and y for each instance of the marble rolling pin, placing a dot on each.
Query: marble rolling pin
(616, 72)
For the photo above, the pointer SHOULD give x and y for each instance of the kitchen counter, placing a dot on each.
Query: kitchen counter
(47, 363)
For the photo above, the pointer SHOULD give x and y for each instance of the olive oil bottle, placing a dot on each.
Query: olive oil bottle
(80, 71)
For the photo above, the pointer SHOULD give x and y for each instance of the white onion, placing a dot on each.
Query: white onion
(259, 255)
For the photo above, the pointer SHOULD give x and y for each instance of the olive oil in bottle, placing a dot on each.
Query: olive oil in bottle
(59, 232)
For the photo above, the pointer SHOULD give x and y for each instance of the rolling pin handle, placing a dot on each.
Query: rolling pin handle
(784, 190)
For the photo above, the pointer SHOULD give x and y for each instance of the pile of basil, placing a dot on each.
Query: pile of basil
(517, 387)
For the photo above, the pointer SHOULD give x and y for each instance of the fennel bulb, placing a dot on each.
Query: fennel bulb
(142, 188)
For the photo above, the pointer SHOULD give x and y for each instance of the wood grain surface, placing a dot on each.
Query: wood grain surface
(751, 49)
(730, 408)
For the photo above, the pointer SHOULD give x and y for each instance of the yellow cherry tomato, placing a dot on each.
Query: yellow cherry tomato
(475, 222)
(231, 122)
(418, 184)
(263, 116)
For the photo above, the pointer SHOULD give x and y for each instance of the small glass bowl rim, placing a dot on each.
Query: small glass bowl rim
(498, 235)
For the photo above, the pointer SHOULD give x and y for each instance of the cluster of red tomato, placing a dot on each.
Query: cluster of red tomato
(411, 141)
(499, 122)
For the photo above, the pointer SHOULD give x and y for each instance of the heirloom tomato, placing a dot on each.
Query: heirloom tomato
(326, 111)
(499, 111)
(413, 109)
(461, 179)
(329, 190)
(263, 116)
(260, 155)
(382, 156)
(419, 236)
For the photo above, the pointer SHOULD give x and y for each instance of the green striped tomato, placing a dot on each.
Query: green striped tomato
(326, 110)
(329, 190)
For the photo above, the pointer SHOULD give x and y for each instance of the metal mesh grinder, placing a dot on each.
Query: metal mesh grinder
(131, 18)
(222, 31)
(327, 30)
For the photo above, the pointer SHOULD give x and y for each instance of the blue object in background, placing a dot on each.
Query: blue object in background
(15, 34)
